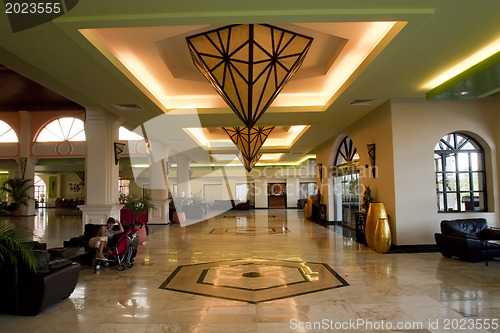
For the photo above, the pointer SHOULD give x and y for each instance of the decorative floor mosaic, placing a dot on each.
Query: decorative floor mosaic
(253, 280)
(249, 231)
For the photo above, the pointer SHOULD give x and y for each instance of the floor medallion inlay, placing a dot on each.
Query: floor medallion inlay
(253, 280)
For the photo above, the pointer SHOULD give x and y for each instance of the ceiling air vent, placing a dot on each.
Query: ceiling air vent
(128, 107)
(363, 101)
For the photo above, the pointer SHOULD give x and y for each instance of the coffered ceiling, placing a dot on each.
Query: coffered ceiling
(111, 53)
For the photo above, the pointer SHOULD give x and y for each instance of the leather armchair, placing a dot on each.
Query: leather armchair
(466, 239)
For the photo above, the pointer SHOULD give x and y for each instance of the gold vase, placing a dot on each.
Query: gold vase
(376, 210)
(382, 237)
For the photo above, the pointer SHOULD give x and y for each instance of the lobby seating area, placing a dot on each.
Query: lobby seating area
(466, 239)
(293, 166)
(27, 293)
(402, 287)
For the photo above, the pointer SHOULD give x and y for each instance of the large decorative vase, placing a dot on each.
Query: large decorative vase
(382, 237)
(376, 211)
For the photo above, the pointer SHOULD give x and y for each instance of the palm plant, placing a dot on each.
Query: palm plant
(17, 188)
(137, 205)
(11, 243)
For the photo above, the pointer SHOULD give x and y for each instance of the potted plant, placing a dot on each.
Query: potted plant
(12, 242)
(137, 206)
(17, 189)
(177, 205)
(194, 206)
(366, 199)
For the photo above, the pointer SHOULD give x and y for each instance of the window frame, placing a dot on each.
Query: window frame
(457, 171)
(62, 136)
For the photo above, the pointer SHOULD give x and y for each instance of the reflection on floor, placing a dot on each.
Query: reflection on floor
(413, 289)
(246, 225)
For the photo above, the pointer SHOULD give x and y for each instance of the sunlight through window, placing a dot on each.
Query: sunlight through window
(62, 129)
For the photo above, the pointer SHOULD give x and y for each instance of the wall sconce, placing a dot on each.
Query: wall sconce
(320, 171)
(22, 164)
(371, 153)
(118, 151)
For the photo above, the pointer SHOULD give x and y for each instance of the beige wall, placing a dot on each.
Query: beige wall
(417, 126)
(405, 133)
(374, 128)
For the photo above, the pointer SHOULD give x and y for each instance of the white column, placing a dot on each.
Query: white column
(330, 193)
(292, 191)
(183, 182)
(261, 193)
(158, 184)
(337, 195)
(26, 171)
(101, 172)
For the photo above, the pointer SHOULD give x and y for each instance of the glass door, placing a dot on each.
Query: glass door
(350, 198)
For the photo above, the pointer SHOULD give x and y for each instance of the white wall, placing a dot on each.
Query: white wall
(259, 176)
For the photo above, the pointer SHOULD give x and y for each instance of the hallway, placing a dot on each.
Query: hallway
(408, 289)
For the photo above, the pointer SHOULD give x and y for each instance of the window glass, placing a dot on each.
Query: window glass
(464, 180)
(438, 162)
(62, 129)
(463, 162)
(450, 162)
(7, 134)
(439, 182)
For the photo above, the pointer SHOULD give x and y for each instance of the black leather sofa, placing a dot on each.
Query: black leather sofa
(25, 292)
(466, 239)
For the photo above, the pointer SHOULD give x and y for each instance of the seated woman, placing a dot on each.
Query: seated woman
(105, 233)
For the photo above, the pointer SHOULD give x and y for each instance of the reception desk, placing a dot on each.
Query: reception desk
(276, 201)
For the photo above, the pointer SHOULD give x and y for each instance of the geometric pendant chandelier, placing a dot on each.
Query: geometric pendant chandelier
(249, 141)
(248, 64)
(247, 163)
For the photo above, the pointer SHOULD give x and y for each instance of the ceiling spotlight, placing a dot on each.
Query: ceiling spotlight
(462, 93)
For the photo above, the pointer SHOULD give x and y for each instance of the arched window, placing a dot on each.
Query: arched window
(62, 129)
(347, 152)
(7, 134)
(460, 174)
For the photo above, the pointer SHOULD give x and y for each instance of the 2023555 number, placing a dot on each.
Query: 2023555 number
(33, 8)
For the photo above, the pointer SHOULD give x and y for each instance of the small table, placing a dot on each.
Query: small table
(490, 234)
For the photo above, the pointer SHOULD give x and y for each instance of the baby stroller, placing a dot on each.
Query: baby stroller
(123, 252)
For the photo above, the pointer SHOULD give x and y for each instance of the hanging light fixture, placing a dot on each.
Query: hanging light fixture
(248, 64)
(249, 141)
(249, 164)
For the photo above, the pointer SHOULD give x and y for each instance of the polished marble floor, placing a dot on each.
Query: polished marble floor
(404, 292)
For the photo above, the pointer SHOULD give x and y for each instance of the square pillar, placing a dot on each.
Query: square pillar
(101, 172)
